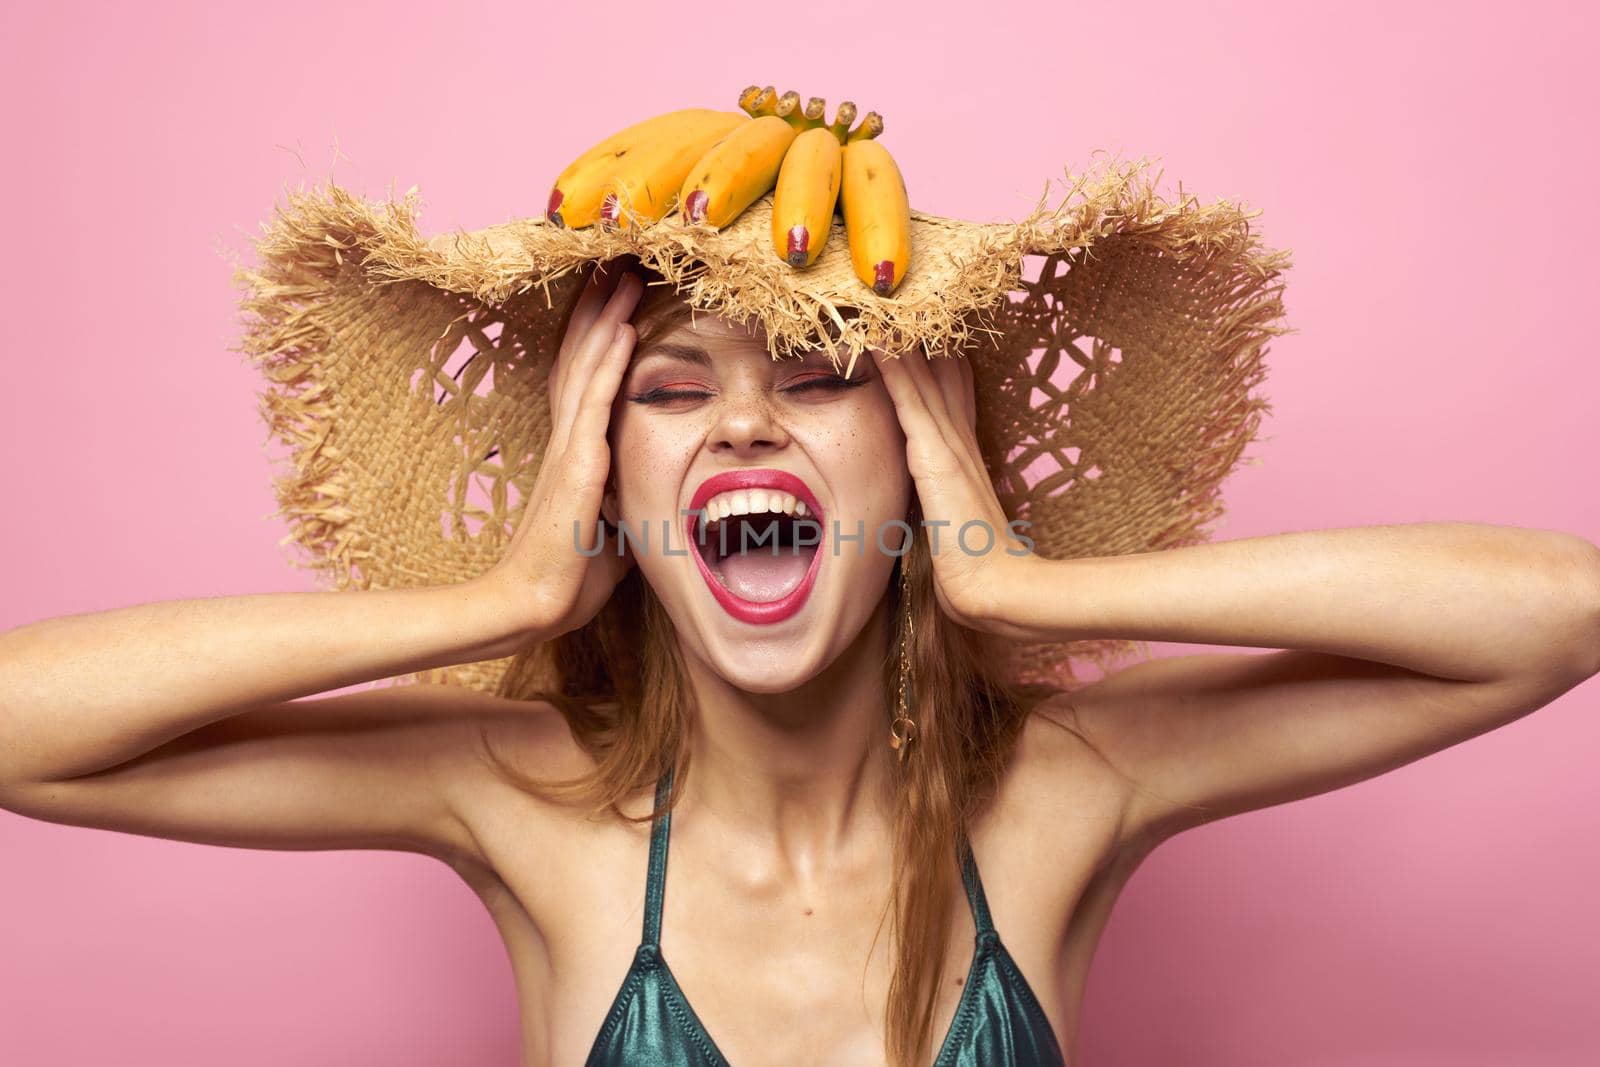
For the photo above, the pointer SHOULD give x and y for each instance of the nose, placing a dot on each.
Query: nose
(746, 423)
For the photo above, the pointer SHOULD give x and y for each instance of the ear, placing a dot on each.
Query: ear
(608, 504)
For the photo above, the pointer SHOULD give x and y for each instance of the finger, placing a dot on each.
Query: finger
(945, 375)
(932, 377)
(969, 395)
(909, 406)
(594, 412)
(920, 368)
(565, 403)
(593, 352)
(597, 288)
(587, 454)
(937, 378)
(954, 376)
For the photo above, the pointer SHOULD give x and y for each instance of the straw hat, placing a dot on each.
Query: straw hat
(1116, 373)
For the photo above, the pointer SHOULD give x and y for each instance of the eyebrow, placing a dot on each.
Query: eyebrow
(684, 353)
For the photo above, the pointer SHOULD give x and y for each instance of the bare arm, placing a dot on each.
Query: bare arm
(1398, 642)
(82, 693)
(380, 768)
(186, 719)
(1458, 600)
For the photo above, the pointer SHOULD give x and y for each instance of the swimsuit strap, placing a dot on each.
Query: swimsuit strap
(974, 884)
(655, 882)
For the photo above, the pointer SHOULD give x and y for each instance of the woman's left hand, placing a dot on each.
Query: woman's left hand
(976, 556)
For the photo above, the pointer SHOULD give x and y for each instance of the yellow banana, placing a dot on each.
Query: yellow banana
(645, 185)
(808, 189)
(842, 120)
(877, 215)
(576, 197)
(736, 171)
(758, 102)
(785, 106)
(752, 99)
(870, 127)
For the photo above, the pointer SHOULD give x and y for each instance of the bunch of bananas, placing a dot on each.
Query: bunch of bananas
(713, 164)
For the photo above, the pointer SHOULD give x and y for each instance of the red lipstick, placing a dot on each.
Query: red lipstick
(752, 611)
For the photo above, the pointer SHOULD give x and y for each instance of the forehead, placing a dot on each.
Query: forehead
(706, 336)
(709, 326)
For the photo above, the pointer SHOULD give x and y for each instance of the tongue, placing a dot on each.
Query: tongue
(759, 575)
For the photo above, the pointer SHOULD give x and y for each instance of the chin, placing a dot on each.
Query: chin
(775, 656)
(753, 666)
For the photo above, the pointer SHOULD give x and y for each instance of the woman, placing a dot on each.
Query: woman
(799, 829)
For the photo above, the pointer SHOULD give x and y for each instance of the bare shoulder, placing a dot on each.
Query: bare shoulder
(501, 745)
(1058, 808)
(1088, 724)
(503, 738)
(1048, 837)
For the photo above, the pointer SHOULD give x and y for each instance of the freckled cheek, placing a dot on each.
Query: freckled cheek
(647, 464)
(862, 454)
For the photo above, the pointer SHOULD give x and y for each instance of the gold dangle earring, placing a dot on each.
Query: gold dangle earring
(903, 730)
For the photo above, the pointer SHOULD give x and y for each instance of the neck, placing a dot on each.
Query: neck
(806, 773)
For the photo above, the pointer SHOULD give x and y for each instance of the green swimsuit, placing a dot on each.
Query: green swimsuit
(650, 1024)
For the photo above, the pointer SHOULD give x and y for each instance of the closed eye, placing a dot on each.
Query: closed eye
(820, 383)
(831, 382)
(661, 396)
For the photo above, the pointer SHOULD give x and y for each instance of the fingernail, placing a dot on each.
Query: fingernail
(799, 241)
(694, 209)
(883, 277)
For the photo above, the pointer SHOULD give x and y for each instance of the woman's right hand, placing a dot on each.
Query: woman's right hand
(547, 585)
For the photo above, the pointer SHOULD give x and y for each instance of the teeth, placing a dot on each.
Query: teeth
(753, 501)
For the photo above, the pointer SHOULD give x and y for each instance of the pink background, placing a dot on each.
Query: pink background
(1428, 168)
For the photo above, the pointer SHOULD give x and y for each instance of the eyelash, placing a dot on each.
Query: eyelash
(831, 384)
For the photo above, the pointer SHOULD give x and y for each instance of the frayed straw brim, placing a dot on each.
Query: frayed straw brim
(407, 374)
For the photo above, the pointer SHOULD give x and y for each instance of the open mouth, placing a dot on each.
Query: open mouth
(757, 541)
(760, 558)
